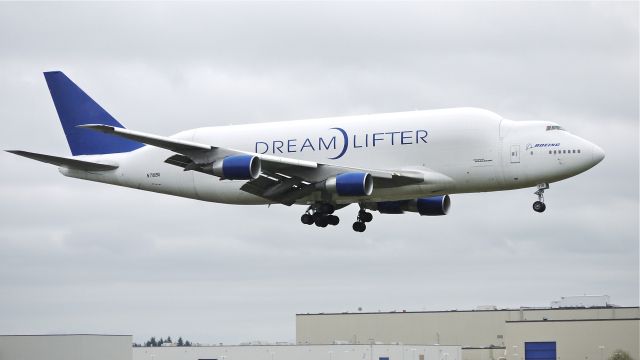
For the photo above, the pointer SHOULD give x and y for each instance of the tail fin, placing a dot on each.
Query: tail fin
(75, 108)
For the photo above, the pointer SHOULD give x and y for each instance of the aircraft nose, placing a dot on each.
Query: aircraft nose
(597, 154)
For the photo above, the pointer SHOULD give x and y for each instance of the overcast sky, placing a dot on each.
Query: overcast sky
(82, 257)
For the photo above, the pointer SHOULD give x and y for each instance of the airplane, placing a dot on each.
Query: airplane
(391, 163)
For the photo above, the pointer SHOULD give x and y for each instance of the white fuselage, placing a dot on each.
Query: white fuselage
(472, 150)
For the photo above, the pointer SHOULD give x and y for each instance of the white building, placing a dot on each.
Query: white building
(582, 301)
(571, 333)
(301, 352)
(65, 347)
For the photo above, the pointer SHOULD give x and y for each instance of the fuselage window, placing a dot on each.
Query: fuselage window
(532, 153)
(574, 151)
(554, 152)
(564, 151)
(578, 151)
(550, 152)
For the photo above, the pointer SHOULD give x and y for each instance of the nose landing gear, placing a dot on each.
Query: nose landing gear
(539, 205)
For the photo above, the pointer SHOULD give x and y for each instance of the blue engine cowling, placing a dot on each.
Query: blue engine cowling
(430, 206)
(237, 167)
(350, 184)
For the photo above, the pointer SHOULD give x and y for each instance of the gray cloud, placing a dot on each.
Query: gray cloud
(85, 257)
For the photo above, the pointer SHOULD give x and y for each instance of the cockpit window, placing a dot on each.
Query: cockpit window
(554, 127)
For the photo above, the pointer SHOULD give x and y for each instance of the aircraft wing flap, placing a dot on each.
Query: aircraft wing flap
(278, 188)
(186, 163)
(65, 162)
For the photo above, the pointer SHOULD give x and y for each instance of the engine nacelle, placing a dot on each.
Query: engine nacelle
(350, 184)
(237, 167)
(392, 207)
(431, 206)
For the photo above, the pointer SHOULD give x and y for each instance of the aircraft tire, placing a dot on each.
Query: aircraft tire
(359, 226)
(539, 206)
(306, 219)
(322, 221)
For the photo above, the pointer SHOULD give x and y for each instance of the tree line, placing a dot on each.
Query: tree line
(153, 342)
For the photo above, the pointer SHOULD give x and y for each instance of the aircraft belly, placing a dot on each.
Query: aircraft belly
(108, 177)
(211, 188)
(145, 170)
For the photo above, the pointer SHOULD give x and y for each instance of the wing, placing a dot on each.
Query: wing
(283, 180)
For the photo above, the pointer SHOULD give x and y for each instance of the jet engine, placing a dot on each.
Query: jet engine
(350, 184)
(429, 206)
(237, 167)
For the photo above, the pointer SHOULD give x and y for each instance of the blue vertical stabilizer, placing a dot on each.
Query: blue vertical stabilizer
(75, 108)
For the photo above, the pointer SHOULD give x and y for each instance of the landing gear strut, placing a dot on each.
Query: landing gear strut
(363, 217)
(321, 215)
(539, 205)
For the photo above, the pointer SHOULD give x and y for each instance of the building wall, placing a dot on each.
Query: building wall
(479, 328)
(576, 339)
(300, 352)
(483, 354)
(65, 347)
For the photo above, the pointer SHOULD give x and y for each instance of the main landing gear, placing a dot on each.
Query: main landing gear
(321, 215)
(363, 217)
(539, 205)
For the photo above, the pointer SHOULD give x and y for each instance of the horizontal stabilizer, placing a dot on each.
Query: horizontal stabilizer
(65, 162)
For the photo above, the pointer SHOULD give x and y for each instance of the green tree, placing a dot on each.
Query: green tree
(180, 342)
(620, 355)
(168, 340)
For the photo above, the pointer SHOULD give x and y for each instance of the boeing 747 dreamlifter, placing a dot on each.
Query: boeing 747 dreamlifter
(390, 163)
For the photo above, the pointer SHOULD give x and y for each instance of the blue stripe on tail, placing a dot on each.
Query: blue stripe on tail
(75, 108)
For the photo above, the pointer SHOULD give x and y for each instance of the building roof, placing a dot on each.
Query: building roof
(473, 311)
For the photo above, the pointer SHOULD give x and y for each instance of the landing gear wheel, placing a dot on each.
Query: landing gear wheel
(322, 221)
(320, 215)
(539, 206)
(359, 226)
(307, 219)
(333, 220)
(365, 216)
